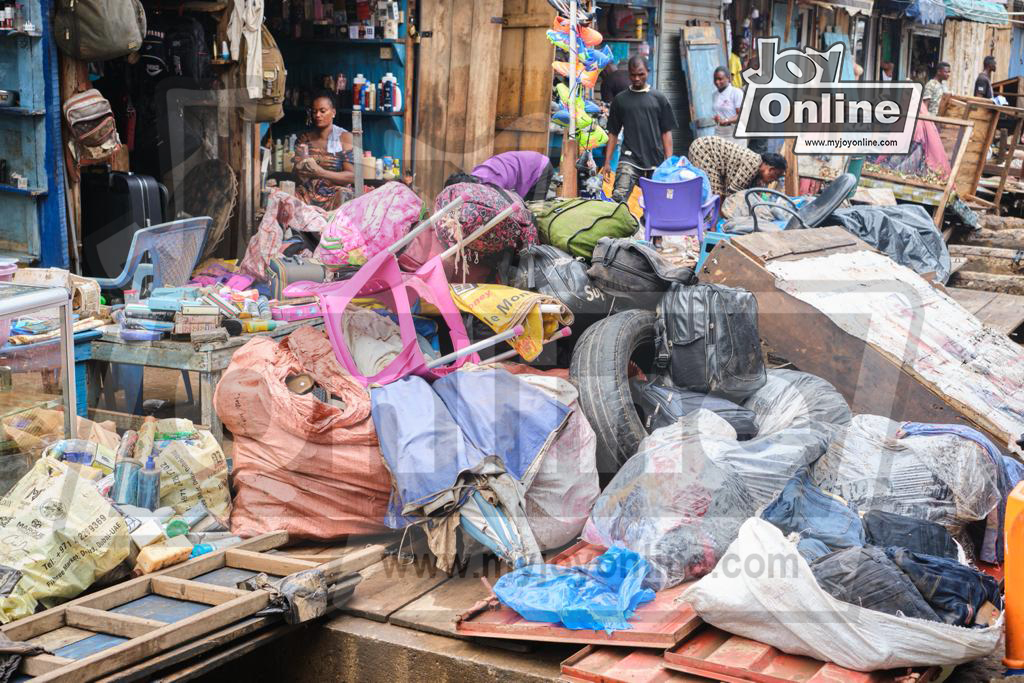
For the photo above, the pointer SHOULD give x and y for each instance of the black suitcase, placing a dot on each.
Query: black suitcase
(707, 337)
(114, 206)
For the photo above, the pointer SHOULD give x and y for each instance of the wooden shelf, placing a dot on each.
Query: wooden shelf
(191, 6)
(30, 191)
(18, 401)
(377, 114)
(222, 62)
(344, 41)
(20, 111)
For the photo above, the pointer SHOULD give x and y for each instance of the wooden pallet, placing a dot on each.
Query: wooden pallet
(144, 618)
(661, 623)
(601, 664)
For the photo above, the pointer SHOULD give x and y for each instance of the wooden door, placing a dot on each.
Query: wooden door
(524, 93)
(702, 52)
(460, 44)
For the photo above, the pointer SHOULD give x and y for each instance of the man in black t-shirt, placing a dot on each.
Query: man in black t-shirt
(644, 118)
(983, 84)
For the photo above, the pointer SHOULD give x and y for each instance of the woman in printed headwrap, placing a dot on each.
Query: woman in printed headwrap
(326, 172)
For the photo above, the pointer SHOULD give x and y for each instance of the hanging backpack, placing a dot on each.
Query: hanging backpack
(270, 107)
(576, 225)
(91, 124)
(707, 337)
(153, 55)
(97, 30)
(480, 203)
(188, 54)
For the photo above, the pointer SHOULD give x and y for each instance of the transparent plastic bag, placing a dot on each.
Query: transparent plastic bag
(792, 399)
(943, 478)
(672, 504)
(601, 595)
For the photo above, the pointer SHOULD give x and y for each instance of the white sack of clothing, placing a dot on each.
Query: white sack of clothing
(764, 590)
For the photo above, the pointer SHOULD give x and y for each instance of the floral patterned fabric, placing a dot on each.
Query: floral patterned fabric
(368, 225)
(283, 212)
(481, 203)
(320, 192)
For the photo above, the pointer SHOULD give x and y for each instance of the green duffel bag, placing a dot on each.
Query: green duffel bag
(575, 226)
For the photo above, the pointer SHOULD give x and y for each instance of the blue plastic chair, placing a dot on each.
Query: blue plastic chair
(676, 208)
(174, 250)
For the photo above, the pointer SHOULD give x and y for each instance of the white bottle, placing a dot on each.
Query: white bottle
(379, 169)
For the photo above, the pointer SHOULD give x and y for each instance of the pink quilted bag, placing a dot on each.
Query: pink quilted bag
(367, 225)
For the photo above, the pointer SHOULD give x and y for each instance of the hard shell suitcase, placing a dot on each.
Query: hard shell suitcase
(707, 337)
(284, 270)
(114, 206)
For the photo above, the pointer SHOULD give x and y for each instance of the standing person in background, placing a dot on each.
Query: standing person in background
(728, 102)
(936, 88)
(736, 63)
(887, 70)
(613, 81)
(983, 84)
(644, 118)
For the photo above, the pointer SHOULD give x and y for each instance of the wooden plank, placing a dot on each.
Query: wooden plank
(259, 562)
(660, 623)
(124, 421)
(198, 647)
(164, 638)
(355, 557)
(392, 584)
(989, 259)
(59, 637)
(1003, 312)
(103, 600)
(481, 100)
(460, 54)
(101, 621)
(1006, 284)
(184, 589)
(229, 654)
(39, 665)
(439, 609)
(432, 103)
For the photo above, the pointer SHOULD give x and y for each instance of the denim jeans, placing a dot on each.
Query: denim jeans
(887, 529)
(803, 508)
(868, 578)
(954, 591)
(625, 180)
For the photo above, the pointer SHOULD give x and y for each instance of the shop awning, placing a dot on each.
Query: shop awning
(937, 11)
(851, 6)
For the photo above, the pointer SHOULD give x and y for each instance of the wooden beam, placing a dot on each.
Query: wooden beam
(128, 591)
(124, 625)
(183, 589)
(37, 665)
(171, 635)
(276, 565)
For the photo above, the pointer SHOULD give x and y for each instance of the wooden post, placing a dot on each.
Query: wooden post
(789, 18)
(569, 149)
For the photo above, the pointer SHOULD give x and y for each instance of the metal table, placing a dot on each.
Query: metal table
(207, 359)
(19, 300)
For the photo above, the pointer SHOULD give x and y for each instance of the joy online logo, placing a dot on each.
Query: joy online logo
(799, 94)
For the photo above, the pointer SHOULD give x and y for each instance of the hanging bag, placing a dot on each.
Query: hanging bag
(98, 30)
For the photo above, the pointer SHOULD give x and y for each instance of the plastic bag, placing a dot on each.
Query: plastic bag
(944, 478)
(672, 504)
(600, 596)
(793, 399)
(60, 533)
(192, 469)
(764, 590)
(678, 170)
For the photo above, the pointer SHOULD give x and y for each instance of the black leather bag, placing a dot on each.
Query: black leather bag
(660, 405)
(708, 339)
(549, 270)
(624, 265)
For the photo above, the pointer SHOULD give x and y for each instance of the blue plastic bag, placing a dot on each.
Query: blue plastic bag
(679, 169)
(599, 596)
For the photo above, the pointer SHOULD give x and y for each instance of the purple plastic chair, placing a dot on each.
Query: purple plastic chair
(675, 208)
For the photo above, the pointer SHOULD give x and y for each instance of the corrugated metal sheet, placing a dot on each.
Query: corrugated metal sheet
(671, 81)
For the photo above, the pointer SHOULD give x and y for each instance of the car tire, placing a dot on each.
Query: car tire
(600, 371)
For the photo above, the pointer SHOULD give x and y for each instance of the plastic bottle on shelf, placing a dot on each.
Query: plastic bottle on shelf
(378, 169)
(357, 90)
(396, 95)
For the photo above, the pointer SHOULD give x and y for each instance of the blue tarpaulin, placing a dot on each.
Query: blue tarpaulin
(937, 11)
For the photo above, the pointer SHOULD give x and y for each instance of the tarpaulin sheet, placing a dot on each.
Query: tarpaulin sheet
(904, 233)
(937, 11)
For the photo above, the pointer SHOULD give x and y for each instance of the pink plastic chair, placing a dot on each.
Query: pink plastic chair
(382, 279)
(676, 209)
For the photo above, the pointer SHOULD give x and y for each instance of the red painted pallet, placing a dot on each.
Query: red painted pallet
(725, 657)
(603, 664)
(661, 623)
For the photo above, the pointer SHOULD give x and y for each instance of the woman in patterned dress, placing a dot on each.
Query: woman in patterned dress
(326, 173)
